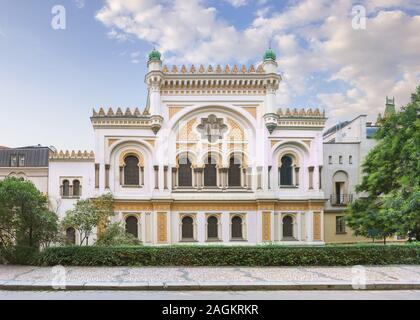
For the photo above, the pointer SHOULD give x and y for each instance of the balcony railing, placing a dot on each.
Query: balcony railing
(341, 199)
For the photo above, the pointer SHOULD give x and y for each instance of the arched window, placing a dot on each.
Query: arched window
(287, 227)
(184, 172)
(76, 188)
(132, 226)
(71, 235)
(237, 228)
(210, 173)
(66, 188)
(187, 228)
(286, 171)
(234, 173)
(212, 228)
(131, 171)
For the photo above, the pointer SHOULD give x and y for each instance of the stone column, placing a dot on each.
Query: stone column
(165, 177)
(174, 176)
(156, 169)
(297, 169)
(107, 166)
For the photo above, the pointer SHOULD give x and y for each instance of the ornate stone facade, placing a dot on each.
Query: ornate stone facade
(211, 158)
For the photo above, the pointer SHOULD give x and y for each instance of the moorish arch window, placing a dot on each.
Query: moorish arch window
(210, 172)
(236, 225)
(286, 171)
(131, 171)
(212, 228)
(288, 227)
(76, 188)
(234, 172)
(66, 188)
(187, 229)
(71, 235)
(184, 172)
(132, 226)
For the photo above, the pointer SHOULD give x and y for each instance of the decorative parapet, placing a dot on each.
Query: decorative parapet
(227, 69)
(302, 113)
(129, 113)
(130, 118)
(72, 155)
(292, 119)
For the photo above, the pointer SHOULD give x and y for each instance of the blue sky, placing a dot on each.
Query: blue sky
(51, 79)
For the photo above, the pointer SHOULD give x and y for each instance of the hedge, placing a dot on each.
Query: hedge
(231, 256)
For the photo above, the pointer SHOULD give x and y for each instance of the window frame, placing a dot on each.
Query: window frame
(218, 231)
(292, 172)
(193, 226)
(243, 227)
(340, 225)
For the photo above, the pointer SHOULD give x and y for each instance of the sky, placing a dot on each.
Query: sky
(329, 58)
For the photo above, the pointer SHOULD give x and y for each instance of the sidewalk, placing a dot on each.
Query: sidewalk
(210, 278)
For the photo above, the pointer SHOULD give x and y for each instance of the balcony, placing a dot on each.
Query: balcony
(341, 200)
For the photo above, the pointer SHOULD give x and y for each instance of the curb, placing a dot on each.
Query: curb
(206, 286)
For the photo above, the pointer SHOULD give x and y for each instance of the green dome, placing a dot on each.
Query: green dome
(270, 55)
(154, 55)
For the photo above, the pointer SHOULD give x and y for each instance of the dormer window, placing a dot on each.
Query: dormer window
(21, 160)
(13, 160)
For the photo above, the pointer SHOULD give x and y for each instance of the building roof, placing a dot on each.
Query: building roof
(35, 156)
(336, 127)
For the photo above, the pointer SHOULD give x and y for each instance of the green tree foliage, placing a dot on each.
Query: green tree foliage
(88, 214)
(115, 235)
(24, 216)
(391, 181)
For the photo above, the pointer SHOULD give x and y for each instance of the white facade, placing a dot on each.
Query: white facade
(211, 159)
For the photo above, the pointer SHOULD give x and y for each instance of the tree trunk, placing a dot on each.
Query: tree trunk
(384, 240)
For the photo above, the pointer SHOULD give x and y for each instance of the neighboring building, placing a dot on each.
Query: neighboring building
(345, 148)
(30, 163)
(209, 160)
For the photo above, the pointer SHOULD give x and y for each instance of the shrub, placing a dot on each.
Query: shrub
(19, 255)
(115, 235)
(231, 256)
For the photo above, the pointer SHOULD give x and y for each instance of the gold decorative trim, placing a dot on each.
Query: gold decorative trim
(266, 226)
(133, 206)
(252, 111)
(173, 111)
(151, 142)
(317, 226)
(162, 236)
(210, 207)
(131, 152)
(274, 142)
(111, 141)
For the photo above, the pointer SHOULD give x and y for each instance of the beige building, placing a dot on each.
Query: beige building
(345, 148)
(30, 163)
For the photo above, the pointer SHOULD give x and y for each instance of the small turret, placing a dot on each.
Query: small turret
(270, 55)
(155, 62)
(154, 55)
(270, 61)
(389, 107)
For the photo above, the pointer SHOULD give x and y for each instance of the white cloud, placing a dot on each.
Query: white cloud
(316, 44)
(237, 3)
(80, 3)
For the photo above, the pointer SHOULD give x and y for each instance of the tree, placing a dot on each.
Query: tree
(391, 180)
(24, 216)
(88, 214)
